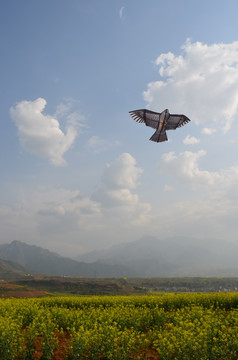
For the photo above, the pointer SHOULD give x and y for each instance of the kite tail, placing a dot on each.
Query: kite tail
(159, 137)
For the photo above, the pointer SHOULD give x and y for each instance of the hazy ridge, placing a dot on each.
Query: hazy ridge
(146, 257)
(177, 256)
(39, 260)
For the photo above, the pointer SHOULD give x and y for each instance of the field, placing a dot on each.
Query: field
(167, 326)
(46, 285)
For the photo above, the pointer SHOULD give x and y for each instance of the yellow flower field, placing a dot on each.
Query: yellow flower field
(167, 326)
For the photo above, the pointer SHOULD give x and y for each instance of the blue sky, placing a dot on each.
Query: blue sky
(77, 173)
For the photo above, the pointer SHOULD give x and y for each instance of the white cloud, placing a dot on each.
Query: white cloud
(64, 211)
(202, 83)
(64, 110)
(121, 12)
(210, 211)
(115, 192)
(49, 215)
(122, 173)
(208, 131)
(115, 212)
(191, 140)
(185, 167)
(40, 134)
(96, 144)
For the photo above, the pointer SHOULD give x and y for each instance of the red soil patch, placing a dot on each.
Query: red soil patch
(11, 290)
(8, 286)
(23, 294)
(63, 349)
(59, 353)
(150, 355)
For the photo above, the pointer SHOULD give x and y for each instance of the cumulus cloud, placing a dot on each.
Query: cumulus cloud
(50, 215)
(40, 134)
(120, 177)
(115, 211)
(122, 173)
(185, 167)
(191, 140)
(202, 83)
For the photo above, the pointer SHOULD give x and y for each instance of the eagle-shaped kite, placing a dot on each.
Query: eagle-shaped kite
(159, 121)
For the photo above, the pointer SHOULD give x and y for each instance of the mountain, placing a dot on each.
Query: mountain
(146, 257)
(177, 256)
(10, 270)
(40, 260)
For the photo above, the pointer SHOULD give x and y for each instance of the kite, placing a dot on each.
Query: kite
(159, 121)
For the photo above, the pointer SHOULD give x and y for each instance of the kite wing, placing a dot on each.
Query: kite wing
(150, 118)
(175, 121)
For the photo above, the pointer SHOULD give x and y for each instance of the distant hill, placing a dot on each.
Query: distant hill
(178, 256)
(146, 257)
(43, 261)
(10, 270)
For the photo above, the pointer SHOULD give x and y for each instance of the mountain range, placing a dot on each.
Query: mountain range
(39, 260)
(146, 257)
(177, 256)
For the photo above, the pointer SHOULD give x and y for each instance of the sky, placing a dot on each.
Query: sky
(77, 173)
